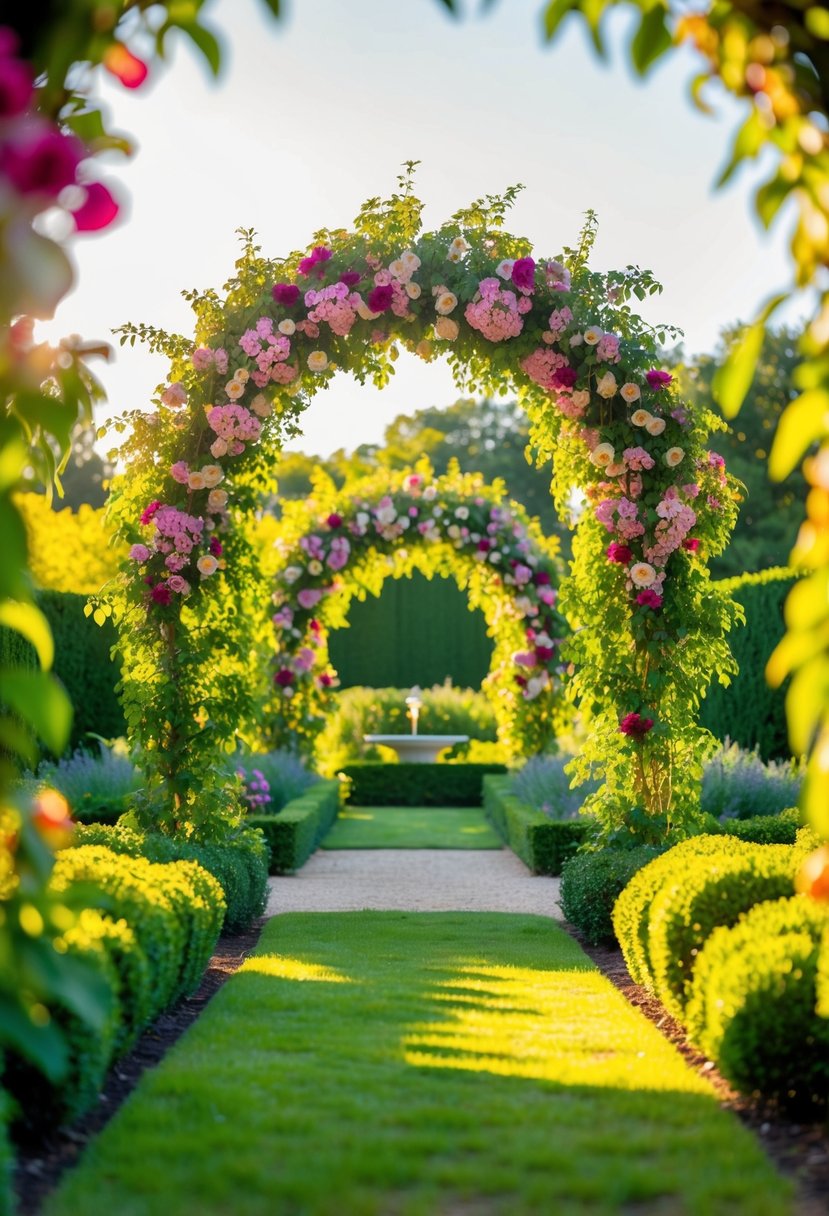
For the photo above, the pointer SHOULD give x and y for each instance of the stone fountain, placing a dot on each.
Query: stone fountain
(415, 748)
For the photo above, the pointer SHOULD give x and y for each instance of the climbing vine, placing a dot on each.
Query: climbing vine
(566, 340)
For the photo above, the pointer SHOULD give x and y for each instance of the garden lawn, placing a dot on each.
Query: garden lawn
(406, 827)
(421, 1064)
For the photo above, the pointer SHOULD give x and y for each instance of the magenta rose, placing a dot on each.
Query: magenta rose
(284, 677)
(148, 512)
(564, 377)
(350, 277)
(215, 546)
(617, 552)
(161, 594)
(658, 379)
(285, 294)
(380, 298)
(649, 599)
(523, 274)
(16, 87)
(691, 543)
(543, 654)
(334, 520)
(635, 725)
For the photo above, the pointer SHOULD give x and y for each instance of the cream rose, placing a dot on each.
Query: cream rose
(580, 398)
(655, 426)
(242, 375)
(446, 328)
(212, 474)
(603, 455)
(630, 392)
(217, 500)
(410, 260)
(576, 339)
(445, 303)
(397, 269)
(424, 349)
(218, 448)
(413, 291)
(593, 335)
(673, 457)
(314, 567)
(234, 389)
(616, 468)
(365, 313)
(317, 361)
(195, 481)
(261, 406)
(207, 565)
(641, 417)
(642, 574)
(607, 386)
(287, 327)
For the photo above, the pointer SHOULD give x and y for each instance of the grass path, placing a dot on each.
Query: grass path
(405, 827)
(421, 1064)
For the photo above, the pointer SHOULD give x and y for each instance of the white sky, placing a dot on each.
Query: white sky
(315, 113)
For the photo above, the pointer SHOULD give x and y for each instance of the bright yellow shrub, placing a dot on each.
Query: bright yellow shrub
(69, 551)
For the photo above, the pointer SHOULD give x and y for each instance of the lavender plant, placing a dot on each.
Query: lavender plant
(271, 779)
(737, 784)
(97, 785)
(542, 783)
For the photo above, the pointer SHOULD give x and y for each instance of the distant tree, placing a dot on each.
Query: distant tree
(773, 510)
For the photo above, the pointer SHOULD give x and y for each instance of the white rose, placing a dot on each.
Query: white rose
(386, 515)
(642, 574)
(576, 339)
(291, 573)
(504, 269)
(462, 513)
(593, 335)
(413, 291)
(287, 327)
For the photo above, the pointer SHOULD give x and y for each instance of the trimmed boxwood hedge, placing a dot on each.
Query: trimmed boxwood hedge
(294, 833)
(375, 784)
(150, 940)
(542, 843)
(240, 866)
(753, 1003)
(766, 829)
(592, 882)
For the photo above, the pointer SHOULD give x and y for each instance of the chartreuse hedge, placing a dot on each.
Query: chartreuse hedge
(544, 844)
(295, 832)
(753, 1003)
(240, 865)
(151, 939)
(374, 784)
(415, 1063)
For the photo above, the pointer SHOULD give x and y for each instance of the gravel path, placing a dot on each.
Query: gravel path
(416, 880)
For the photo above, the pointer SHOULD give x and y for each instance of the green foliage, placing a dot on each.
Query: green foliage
(592, 882)
(382, 711)
(748, 711)
(752, 1004)
(632, 909)
(709, 891)
(544, 844)
(417, 784)
(770, 516)
(417, 631)
(766, 829)
(239, 865)
(6, 1157)
(295, 832)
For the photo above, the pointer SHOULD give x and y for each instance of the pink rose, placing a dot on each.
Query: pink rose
(309, 597)
(139, 553)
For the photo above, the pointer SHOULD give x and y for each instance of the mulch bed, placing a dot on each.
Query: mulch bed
(799, 1150)
(39, 1167)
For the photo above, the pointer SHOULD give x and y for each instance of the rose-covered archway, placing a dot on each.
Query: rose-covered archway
(648, 626)
(343, 543)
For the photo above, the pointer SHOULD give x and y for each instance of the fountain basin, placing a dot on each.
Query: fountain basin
(417, 749)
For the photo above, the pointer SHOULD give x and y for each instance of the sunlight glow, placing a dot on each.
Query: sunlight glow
(518, 1022)
(282, 968)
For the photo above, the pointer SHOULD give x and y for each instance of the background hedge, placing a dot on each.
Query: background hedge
(749, 712)
(295, 832)
(418, 784)
(417, 631)
(542, 843)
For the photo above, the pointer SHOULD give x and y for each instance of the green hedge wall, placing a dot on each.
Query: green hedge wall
(417, 631)
(294, 833)
(749, 712)
(544, 844)
(418, 784)
(84, 666)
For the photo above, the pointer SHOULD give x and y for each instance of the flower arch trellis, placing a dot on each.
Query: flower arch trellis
(649, 627)
(343, 543)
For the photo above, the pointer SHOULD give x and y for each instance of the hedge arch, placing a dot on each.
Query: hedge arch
(346, 543)
(649, 628)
